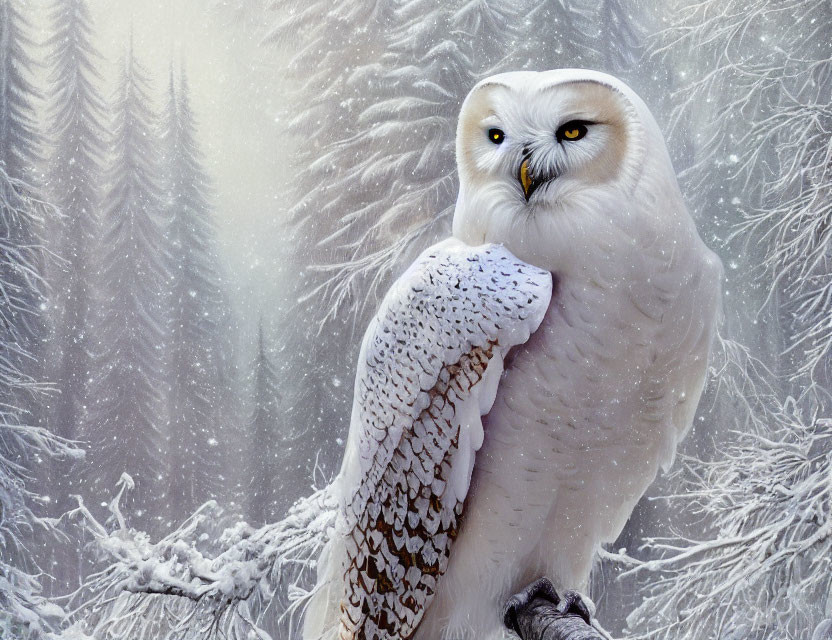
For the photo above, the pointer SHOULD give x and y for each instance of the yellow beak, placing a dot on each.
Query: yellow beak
(526, 178)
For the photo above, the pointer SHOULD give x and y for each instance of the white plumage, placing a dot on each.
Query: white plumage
(442, 514)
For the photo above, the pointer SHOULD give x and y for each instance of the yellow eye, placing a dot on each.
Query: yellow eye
(571, 131)
(496, 136)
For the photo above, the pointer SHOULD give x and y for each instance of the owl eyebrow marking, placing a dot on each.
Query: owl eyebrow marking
(583, 121)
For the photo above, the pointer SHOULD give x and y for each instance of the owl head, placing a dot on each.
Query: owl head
(558, 162)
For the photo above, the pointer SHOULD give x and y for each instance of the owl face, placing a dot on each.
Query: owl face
(542, 142)
(550, 161)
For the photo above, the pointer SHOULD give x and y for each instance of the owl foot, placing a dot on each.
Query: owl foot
(542, 589)
(573, 602)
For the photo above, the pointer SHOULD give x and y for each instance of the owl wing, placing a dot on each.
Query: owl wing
(429, 368)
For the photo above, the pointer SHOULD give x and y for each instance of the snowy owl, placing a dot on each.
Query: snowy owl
(523, 381)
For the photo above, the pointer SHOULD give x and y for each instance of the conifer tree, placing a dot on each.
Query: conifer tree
(548, 34)
(198, 310)
(22, 323)
(18, 131)
(334, 53)
(265, 440)
(617, 28)
(24, 612)
(125, 422)
(73, 178)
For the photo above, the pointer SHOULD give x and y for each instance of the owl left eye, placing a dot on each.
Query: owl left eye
(571, 131)
(496, 136)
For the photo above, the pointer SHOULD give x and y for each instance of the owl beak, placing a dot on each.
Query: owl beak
(527, 179)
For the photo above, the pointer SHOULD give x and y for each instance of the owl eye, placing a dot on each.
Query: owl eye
(571, 131)
(496, 136)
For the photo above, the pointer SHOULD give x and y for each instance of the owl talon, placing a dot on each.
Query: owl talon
(573, 602)
(540, 588)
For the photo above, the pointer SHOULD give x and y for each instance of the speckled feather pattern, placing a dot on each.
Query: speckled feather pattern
(418, 400)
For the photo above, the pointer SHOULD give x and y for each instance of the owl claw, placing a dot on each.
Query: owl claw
(540, 588)
(573, 602)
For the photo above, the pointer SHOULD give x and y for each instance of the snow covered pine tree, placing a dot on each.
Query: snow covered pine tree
(126, 417)
(24, 445)
(198, 308)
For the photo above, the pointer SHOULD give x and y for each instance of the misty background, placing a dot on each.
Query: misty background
(203, 201)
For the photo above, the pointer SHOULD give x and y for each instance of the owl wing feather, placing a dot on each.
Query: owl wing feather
(429, 368)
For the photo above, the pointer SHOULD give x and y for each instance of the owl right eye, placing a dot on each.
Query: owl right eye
(496, 136)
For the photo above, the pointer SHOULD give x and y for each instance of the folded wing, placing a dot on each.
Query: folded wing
(428, 370)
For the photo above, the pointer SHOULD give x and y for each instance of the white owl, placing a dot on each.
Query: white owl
(523, 381)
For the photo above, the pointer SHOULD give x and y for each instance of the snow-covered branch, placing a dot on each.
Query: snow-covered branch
(761, 82)
(223, 586)
(756, 97)
(765, 569)
(176, 588)
(24, 612)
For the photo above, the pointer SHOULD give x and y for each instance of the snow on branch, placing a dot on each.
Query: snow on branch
(243, 581)
(757, 95)
(764, 66)
(24, 612)
(173, 589)
(22, 216)
(222, 588)
(764, 571)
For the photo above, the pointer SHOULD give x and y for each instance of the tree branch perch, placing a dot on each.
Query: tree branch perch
(539, 613)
